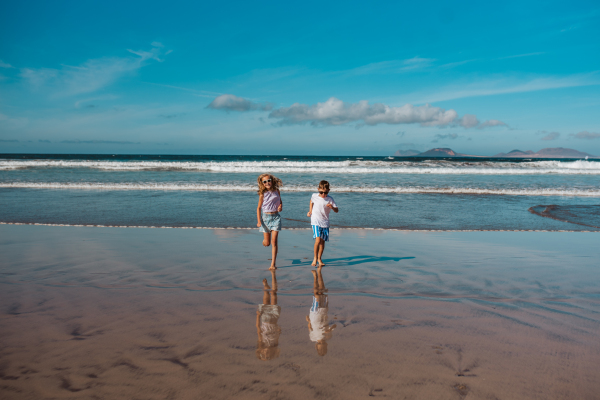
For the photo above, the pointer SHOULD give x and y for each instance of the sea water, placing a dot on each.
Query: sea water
(371, 192)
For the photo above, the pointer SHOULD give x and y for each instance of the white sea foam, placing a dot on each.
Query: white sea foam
(443, 167)
(347, 189)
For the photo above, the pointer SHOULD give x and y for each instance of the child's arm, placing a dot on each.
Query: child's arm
(310, 208)
(335, 209)
(260, 203)
(280, 202)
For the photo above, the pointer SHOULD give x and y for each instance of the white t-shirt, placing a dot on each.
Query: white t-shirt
(320, 213)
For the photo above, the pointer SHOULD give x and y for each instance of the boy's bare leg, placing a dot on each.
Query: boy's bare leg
(317, 243)
(316, 283)
(321, 249)
(274, 288)
(321, 284)
(274, 248)
(266, 295)
(266, 239)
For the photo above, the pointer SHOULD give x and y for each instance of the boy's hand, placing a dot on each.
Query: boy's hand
(330, 205)
(280, 207)
(308, 214)
(258, 225)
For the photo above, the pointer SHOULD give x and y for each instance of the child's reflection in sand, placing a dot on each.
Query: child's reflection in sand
(267, 315)
(319, 330)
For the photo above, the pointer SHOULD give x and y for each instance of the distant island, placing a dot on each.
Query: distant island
(550, 152)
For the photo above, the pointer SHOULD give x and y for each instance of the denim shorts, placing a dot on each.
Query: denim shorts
(270, 222)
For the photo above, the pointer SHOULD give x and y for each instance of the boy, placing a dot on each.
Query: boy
(321, 205)
(319, 330)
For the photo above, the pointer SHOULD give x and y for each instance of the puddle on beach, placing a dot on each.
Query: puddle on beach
(109, 313)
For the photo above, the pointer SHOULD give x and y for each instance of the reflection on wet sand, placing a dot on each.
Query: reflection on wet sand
(319, 330)
(267, 315)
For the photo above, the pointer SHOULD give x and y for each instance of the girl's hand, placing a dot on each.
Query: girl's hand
(258, 225)
(309, 214)
(280, 207)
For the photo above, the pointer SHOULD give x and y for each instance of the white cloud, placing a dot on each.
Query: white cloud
(337, 112)
(5, 65)
(90, 76)
(230, 102)
(468, 121)
(585, 135)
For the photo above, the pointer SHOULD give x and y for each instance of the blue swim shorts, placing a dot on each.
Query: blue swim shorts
(270, 222)
(321, 232)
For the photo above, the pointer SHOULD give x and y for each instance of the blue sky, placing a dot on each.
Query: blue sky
(323, 78)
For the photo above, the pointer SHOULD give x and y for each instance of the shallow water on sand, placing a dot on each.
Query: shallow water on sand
(147, 313)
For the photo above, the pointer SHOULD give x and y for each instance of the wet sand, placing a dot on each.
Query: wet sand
(168, 313)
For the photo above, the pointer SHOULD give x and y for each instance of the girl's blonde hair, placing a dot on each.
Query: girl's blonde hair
(275, 183)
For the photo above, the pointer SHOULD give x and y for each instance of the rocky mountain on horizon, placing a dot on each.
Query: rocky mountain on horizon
(549, 152)
(437, 152)
(515, 153)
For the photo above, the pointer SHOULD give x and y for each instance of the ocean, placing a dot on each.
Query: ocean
(445, 194)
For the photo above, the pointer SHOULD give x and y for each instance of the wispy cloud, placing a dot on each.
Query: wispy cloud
(195, 92)
(90, 76)
(549, 135)
(585, 135)
(5, 65)
(538, 53)
(393, 66)
(230, 102)
(82, 103)
(450, 136)
(508, 85)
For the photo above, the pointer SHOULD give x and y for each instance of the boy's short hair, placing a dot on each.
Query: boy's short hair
(324, 185)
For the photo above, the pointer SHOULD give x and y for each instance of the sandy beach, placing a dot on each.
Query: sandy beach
(171, 313)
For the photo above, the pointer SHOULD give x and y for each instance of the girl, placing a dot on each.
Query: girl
(267, 327)
(269, 202)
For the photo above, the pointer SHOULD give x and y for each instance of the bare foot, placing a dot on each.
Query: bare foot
(265, 284)
(314, 263)
(321, 263)
(314, 273)
(272, 268)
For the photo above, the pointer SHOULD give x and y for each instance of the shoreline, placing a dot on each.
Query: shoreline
(296, 229)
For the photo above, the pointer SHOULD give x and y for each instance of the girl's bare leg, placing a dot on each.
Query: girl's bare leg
(274, 248)
(266, 239)
(317, 243)
(274, 288)
(321, 249)
(266, 295)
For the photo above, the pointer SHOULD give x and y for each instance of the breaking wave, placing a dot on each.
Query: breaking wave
(443, 167)
(344, 189)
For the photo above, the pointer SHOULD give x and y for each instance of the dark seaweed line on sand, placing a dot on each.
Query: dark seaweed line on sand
(546, 214)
